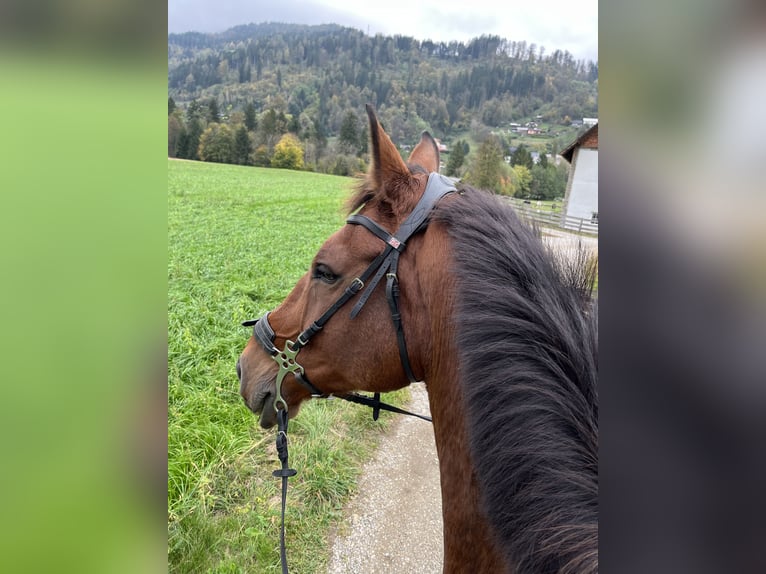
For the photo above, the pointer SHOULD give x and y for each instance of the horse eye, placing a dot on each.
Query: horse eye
(324, 273)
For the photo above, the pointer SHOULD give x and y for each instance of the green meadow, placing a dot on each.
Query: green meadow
(238, 240)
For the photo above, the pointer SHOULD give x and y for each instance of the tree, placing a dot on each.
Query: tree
(192, 145)
(250, 120)
(288, 153)
(213, 115)
(521, 156)
(242, 146)
(523, 178)
(216, 144)
(544, 182)
(183, 145)
(349, 133)
(487, 168)
(175, 129)
(193, 111)
(271, 126)
(171, 105)
(261, 156)
(456, 159)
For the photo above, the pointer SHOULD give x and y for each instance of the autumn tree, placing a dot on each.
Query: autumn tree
(288, 153)
(216, 144)
(522, 180)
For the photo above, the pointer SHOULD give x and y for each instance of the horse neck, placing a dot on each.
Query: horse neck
(468, 541)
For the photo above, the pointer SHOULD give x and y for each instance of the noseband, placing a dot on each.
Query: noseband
(384, 264)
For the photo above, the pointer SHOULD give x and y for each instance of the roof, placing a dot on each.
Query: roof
(589, 138)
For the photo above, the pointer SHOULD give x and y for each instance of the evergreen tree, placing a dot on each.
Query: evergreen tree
(193, 111)
(294, 125)
(456, 159)
(349, 133)
(242, 146)
(183, 146)
(175, 129)
(195, 133)
(250, 120)
(213, 114)
(171, 105)
(268, 126)
(521, 156)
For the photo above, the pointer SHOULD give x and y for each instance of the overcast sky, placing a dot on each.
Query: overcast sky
(555, 24)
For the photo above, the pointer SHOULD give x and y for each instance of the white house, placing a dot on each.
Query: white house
(581, 198)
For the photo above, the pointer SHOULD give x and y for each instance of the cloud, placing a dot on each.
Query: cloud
(553, 24)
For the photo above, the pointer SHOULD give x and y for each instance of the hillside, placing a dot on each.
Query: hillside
(319, 73)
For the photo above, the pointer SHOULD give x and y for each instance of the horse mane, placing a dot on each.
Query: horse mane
(527, 349)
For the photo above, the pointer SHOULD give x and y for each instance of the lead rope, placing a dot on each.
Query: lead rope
(285, 472)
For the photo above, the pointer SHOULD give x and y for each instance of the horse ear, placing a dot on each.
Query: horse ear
(426, 153)
(386, 164)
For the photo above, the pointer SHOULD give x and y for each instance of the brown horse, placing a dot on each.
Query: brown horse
(502, 337)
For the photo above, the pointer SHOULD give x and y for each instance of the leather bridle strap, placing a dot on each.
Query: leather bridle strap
(436, 188)
(387, 262)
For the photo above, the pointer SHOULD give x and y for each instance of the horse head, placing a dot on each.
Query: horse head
(333, 333)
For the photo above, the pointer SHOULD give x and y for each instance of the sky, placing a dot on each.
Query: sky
(554, 24)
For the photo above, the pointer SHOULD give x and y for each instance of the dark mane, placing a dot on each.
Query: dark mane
(528, 368)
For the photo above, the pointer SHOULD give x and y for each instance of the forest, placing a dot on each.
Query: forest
(293, 96)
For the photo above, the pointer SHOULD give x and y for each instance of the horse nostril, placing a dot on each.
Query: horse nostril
(239, 371)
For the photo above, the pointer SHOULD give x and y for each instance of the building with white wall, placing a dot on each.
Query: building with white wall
(581, 198)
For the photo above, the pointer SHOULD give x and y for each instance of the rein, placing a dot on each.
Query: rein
(386, 263)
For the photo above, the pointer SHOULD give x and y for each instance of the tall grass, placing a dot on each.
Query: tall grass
(238, 240)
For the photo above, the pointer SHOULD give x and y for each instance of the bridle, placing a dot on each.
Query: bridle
(385, 264)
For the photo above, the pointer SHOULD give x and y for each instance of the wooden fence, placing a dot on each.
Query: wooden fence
(547, 218)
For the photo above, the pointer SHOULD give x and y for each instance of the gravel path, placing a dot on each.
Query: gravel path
(394, 524)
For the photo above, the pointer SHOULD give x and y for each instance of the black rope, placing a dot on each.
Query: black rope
(285, 472)
(376, 405)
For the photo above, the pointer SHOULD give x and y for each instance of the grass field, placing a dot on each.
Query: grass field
(238, 240)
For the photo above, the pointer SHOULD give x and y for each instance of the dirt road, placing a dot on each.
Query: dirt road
(394, 524)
